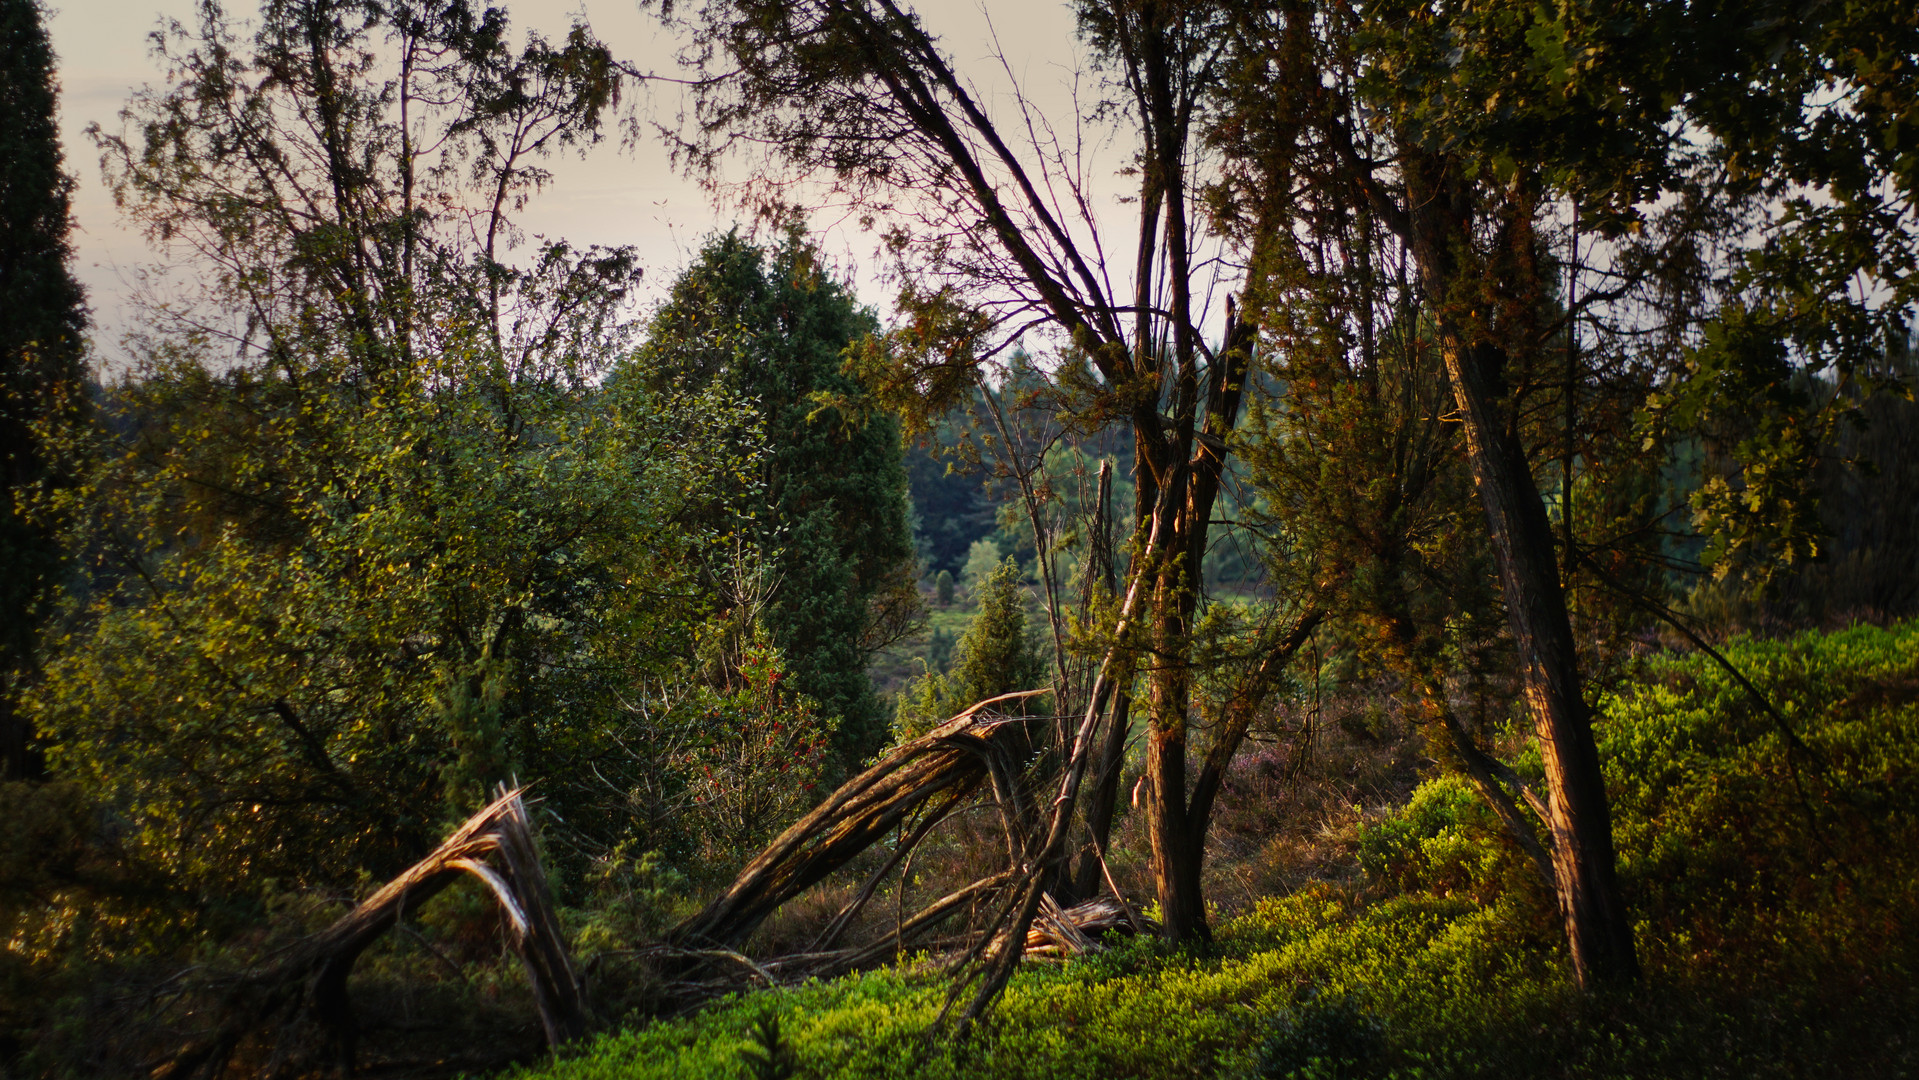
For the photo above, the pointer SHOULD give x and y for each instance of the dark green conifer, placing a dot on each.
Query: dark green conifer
(995, 656)
(42, 318)
(831, 506)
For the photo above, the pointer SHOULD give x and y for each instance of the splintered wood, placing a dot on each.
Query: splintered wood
(936, 771)
(909, 792)
(912, 789)
(307, 988)
(1073, 931)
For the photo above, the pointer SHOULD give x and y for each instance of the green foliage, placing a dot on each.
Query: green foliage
(320, 621)
(828, 502)
(1834, 187)
(950, 498)
(1443, 841)
(1429, 980)
(982, 562)
(943, 587)
(366, 531)
(1319, 1040)
(1739, 832)
(757, 755)
(770, 1057)
(994, 656)
(629, 900)
(42, 378)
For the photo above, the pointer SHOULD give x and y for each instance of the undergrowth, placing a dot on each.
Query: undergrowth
(1770, 860)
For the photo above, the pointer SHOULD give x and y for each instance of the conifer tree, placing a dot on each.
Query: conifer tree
(830, 507)
(42, 318)
(995, 656)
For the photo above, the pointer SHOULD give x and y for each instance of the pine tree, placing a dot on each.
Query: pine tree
(42, 317)
(995, 656)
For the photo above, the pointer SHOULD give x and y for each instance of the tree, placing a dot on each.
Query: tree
(379, 613)
(949, 496)
(992, 241)
(1487, 139)
(366, 531)
(829, 505)
(42, 378)
(352, 174)
(1465, 209)
(994, 656)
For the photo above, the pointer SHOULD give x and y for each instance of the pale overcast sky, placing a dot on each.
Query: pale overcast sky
(612, 197)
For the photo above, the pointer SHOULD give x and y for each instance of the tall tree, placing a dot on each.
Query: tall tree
(996, 234)
(1480, 136)
(42, 376)
(353, 172)
(829, 505)
(368, 534)
(1467, 222)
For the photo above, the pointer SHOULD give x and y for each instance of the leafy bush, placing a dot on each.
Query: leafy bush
(1443, 840)
(318, 626)
(1751, 840)
(1319, 1039)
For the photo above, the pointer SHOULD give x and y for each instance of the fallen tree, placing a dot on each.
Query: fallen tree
(303, 990)
(1009, 914)
(912, 789)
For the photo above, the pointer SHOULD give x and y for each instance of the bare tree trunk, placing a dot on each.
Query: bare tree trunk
(1103, 798)
(1437, 224)
(1176, 858)
(1598, 929)
(1477, 298)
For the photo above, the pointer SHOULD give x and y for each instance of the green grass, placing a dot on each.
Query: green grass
(1773, 890)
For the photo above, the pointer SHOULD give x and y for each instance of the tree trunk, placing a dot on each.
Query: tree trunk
(312, 979)
(1176, 855)
(1192, 459)
(1437, 222)
(1103, 798)
(1597, 926)
(18, 761)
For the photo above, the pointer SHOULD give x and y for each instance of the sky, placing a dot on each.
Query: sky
(613, 196)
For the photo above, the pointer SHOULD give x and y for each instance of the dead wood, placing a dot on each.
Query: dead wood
(909, 792)
(974, 749)
(306, 985)
(1076, 930)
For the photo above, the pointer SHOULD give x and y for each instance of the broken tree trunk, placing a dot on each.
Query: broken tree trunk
(308, 984)
(974, 749)
(1073, 931)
